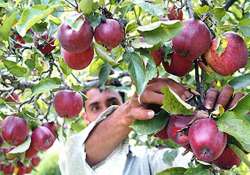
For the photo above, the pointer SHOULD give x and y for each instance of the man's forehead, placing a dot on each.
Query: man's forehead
(96, 93)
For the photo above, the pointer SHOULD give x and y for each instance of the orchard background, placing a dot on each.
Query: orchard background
(39, 57)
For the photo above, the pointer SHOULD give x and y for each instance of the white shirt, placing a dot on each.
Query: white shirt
(124, 160)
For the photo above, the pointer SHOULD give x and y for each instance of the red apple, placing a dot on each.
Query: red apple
(193, 41)
(178, 66)
(232, 58)
(35, 161)
(1, 140)
(14, 130)
(205, 139)
(19, 40)
(31, 152)
(76, 41)
(52, 126)
(42, 138)
(8, 169)
(157, 55)
(162, 134)
(175, 125)
(109, 33)
(48, 44)
(174, 13)
(68, 104)
(28, 169)
(227, 159)
(79, 60)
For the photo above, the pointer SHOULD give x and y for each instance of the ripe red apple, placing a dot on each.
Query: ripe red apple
(175, 125)
(109, 33)
(52, 126)
(157, 55)
(162, 134)
(227, 159)
(76, 41)
(178, 66)
(205, 139)
(35, 161)
(48, 44)
(14, 130)
(31, 152)
(21, 168)
(28, 169)
(19, 40)
(174, 13)
(193, 41)
(233, 57)
(8, 169)
(42, 138)
(68, 104)
(13, 97)
(79, 60)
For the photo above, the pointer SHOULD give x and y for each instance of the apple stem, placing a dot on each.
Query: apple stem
(198, 83)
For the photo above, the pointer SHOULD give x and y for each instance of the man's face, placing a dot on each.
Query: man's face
(98, 101)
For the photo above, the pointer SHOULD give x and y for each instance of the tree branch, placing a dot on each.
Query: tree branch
(228, 4)
(189, 8)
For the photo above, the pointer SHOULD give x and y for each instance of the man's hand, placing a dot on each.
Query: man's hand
(153, 95)
(225, 98)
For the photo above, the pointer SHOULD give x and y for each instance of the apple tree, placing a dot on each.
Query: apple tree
(53, 50)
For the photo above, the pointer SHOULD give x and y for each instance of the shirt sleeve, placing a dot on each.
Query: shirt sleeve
(175, 159)
(73, 157)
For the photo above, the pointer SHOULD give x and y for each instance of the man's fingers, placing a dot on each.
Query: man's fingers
(225, 96)
(210, 98)
(151, 97)
(180, 90)
(237, 97)
(141, 113)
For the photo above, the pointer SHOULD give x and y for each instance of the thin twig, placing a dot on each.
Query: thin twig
(71, 4)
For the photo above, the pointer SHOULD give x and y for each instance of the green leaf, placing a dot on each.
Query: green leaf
(243, 105)
(172, 24)
(46, 85)
(139, 43)
(14, 68)
(173, 104)
(169, 156)
(75, 21)
(173, 171)
(242, 81)
(237, 126)
(7, 25)
(100, 51)
(86, 6)
(218, 12)
(21, 148)
(95, 67)
(147, 127)
(65, 68)
(33, 15)
(151, 70)
(136, 69)
(244, 26)
(153, 9)
(199, 170)
(162, 34)
(104, 74)
(221, 45)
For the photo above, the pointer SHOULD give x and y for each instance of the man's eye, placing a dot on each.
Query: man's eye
(94, 108)
(112, 103)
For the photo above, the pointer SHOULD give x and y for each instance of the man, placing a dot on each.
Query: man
(102, 148)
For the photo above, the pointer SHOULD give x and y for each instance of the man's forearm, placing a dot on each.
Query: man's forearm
(108, 135)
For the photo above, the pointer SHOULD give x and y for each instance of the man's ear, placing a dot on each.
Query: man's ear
(85, 117)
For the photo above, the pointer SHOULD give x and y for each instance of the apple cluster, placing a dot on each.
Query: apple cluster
(14, 132)
(76, 45)
(225, 54)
